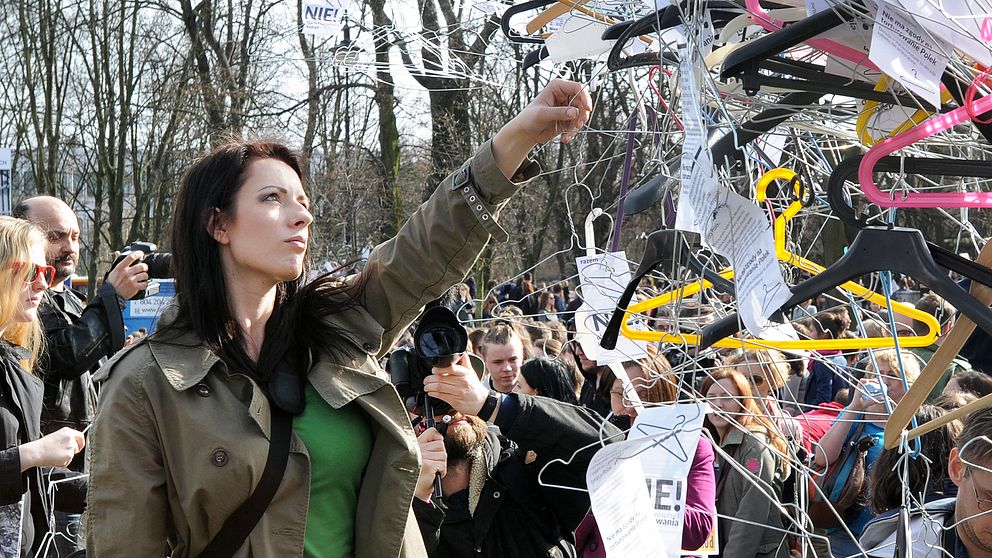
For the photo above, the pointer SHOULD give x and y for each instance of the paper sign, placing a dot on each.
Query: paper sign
(323, 18)
(905, 51)
(6, 159)
(674, 432)
(620, 502)
(964, 24)
(603, 279)
(727, 222)
(698, 177)
(578, 38)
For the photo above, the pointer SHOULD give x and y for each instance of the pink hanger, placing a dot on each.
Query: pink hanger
(762, 18)
(920, 132)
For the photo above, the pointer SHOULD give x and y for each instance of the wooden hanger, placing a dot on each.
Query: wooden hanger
(935, 369)
(559, 8)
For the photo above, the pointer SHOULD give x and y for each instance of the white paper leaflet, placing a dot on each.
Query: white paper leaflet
(907, 52)
(603, 279)
(730, 224)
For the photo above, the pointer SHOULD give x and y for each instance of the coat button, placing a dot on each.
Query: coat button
(203, 390)
(219, 457)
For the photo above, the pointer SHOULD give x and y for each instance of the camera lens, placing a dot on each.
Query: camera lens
(439, 341)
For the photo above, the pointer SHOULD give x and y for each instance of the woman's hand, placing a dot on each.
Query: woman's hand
(54, 450)
(434, 459)
(458, 386)
(563, 107)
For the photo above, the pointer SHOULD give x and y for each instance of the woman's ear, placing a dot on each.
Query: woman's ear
(216, 226)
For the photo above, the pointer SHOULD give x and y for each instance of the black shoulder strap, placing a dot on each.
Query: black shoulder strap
(236, 528)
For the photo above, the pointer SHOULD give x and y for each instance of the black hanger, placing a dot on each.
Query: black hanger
(516, 9)
(534, 57)
(841, 207)
(747, 61)
(896, 249)
(720, 12)
(666, 248)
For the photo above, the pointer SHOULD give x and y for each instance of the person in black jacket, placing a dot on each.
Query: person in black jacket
(78, 335)
(496, 499)
(24, 276)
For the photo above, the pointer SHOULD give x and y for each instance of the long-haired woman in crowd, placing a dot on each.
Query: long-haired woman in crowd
(24, 509)
(747, 436)
(186, 417)
(649, 378)
(597, 381)
(547, 377)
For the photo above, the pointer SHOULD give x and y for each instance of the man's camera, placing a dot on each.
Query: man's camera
(438, 341)
(159, 265)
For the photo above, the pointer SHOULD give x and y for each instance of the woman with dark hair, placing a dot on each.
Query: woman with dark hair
(597, 382)
(970, 381)
(252, 355)
(924, 478)
(548, 378)
(651, 379)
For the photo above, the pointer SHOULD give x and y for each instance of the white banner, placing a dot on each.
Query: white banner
(322, 18)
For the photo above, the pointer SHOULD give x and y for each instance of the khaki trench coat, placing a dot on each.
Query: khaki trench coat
(180, 441)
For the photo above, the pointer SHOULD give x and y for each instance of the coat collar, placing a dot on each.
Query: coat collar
(182, 356)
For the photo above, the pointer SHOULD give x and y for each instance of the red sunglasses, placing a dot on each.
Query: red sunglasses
(46, 271)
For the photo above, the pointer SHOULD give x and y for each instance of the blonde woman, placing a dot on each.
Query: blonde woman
(24, 276)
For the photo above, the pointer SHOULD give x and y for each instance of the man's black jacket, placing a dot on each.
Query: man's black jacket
(77, 337)
(517, 515)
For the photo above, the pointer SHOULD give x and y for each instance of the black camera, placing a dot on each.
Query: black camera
(438, 341)
(159, 265)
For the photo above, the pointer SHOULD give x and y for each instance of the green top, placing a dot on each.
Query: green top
(339, 442)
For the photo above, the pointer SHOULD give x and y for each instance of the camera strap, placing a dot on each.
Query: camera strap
(115, 319)
(240, 524)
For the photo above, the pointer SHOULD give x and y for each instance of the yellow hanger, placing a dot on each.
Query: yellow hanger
(872, 107)
(783, 254)
(935, 370)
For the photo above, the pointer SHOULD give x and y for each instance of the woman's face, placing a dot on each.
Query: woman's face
(722, 398)
(621, 404)
(523, 387)
(753, 371)
(893, 382)
(586, 364)
(265, 237)
(31, 292)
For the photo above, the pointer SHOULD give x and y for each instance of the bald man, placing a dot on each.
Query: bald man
(77, 335)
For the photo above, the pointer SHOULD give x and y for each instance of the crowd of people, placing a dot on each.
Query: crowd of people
(258, 419)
